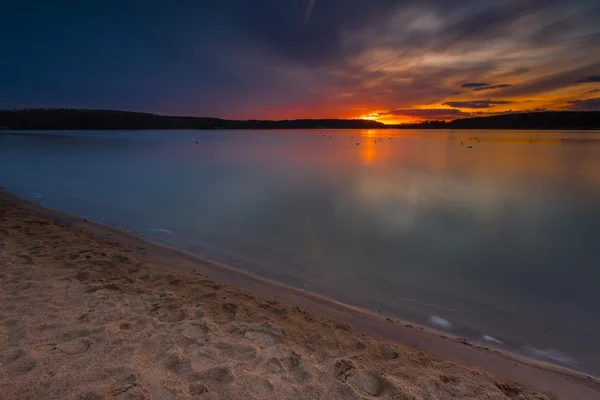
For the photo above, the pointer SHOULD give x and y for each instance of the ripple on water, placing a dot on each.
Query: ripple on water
(440, 323)
(552, 355)
(162, 230)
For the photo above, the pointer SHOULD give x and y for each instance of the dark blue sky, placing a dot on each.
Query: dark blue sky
(390, 59)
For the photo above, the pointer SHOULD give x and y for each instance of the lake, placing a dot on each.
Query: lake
(492, 235)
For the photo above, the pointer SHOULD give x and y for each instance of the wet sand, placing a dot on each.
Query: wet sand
(90, 312)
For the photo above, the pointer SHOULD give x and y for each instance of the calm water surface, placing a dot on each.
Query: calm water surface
(501, 239)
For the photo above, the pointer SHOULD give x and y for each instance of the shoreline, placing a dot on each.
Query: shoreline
(532, 374)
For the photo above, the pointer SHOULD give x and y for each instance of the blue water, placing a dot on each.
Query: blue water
(501, 239)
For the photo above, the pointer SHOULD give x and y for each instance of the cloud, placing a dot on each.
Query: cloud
(590, 79)
(539, 109)
(288, 59)
(458, 93)
(585, 105)
(551, 80)
(474, 84)
(476, 103)
(428, 113)
(303, 32)
(492, 87)
(311, 4)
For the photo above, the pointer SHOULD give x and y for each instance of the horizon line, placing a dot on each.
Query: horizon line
(288, 119)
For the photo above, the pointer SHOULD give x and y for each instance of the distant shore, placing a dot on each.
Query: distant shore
(89, 119)
(89, 310)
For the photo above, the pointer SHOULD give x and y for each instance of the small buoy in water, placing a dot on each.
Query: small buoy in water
(196, 142)
(470, 147)
(357, 144)
(461, 143)
(530, 140)
(374, 141)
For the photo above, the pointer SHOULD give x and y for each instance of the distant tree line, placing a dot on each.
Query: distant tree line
(531, 120)
(84, 119)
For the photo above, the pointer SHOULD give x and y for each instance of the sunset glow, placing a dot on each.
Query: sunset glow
(393, 62)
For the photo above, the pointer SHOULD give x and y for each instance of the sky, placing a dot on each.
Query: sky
(393, 61)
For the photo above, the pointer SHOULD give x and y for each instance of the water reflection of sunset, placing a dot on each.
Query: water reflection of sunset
(368, 152)
(501, 155)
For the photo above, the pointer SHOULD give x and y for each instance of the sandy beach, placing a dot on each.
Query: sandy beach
(90, 312)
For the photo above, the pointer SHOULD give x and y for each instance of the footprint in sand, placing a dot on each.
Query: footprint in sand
(168, 314)
(218, 379)
(265, 335)
(21, 259)
(18, 362)
(257, 386)
(262, 338)
(76, 346)
(201, 355)
(136, 305)
(387, 353)
(17, 284)
(102, 305)
(121, 379)
(197, 388)
(347, 392)
(286, 361)
(70, 334)
(273, 366)
(198, 312)
(343, 369)
(293, 361)
(195, 331)
(122, 353)
(366, 383)
(235, 350)
(363, 381)
(125, 384)
(178, 364)
(274, 307)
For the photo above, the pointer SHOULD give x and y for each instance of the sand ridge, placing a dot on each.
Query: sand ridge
(85, 318)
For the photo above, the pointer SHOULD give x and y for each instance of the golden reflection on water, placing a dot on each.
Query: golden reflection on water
(483, 156)
(368, 152)
(495, 158)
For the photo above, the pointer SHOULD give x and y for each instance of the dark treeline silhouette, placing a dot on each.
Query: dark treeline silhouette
(531, 120)
(81, 119)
